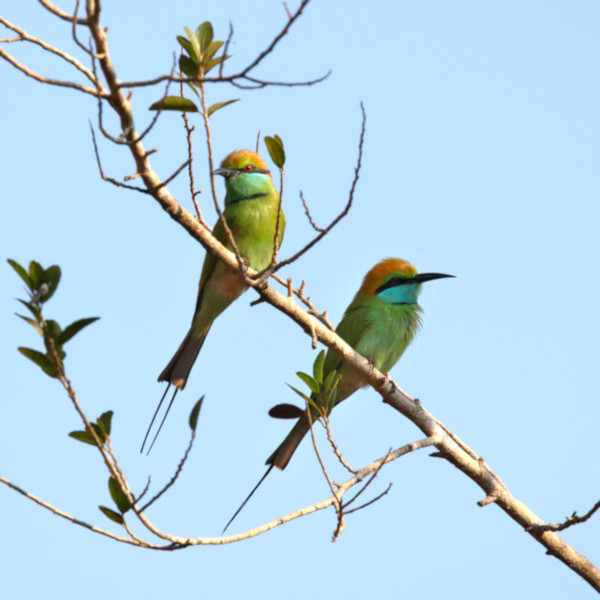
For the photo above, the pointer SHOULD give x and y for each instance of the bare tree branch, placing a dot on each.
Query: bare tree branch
(61, 14)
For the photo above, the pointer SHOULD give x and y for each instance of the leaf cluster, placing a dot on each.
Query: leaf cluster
(41, 284)
(323, 391)
(197, 59)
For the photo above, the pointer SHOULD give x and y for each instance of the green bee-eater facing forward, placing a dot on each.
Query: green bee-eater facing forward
(251, 207)
(380, 323)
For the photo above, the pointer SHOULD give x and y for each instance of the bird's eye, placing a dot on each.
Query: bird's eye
(248, 168)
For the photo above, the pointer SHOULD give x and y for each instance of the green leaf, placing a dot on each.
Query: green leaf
(112, 515)
(204, 33)
(32, 322)
(175, 103)
(275, 148)
(309, 381)
(51, 276)
(53, 329)
(32, 308)
(86, 437)
(209, 63)
(83, 436)
(194, 414)
(193, 88)
(302, 395)
(74, 328)
(185, 44)
(196, 51)
(187, 66)
(318, 367)
(21, 272)
(219, 105)
(104, 421)
(211, 50)
(35, 273)
(41, 360)
(119, 498)
(329, 382)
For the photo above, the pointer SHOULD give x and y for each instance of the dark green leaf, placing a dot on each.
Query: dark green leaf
(104, 421)
(86, 436)
(41, 360)
(33, 309)
(83, 436)
(188, 48)
(175, 103)
(196, 52)
(304, 396)
(275, 148)
(119, 498)
(309, 381)
(187, 66)
(99, 432)
(318, 367)
(194, 414)
(33, 323)
(318, 409)
(210, 51)
(112, 515)
(51, 276)
(53, 329)
(35, 272)
(74, 328)
(219, 105)
(204, 34)
(21, 272)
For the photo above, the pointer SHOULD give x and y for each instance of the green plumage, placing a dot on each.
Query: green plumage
(379, 324)
(251, 208)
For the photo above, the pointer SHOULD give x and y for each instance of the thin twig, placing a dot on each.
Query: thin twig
(27, 71)
(335, 447)
(76, 521)
(241, 262)
(226, 48)
(61, 14)
(110, 179)
(323, 233)
(310, 220)
(56, 51)
(370, 480)
(171, 177)
(372, 501)
(338, 503)
(175, 476)
(574, 519)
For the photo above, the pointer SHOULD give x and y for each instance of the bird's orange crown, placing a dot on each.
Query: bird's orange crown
(238, 159)
(382, 271)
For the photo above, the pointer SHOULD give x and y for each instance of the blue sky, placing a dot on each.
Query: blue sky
(481, 160)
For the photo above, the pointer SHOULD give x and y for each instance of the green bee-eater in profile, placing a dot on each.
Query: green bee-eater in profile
(380, 323)
(251, 207)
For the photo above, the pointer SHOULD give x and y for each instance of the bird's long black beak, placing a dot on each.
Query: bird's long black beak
(225, 172)
(422, 277)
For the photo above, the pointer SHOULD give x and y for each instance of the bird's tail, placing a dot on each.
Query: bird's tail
(179, 367)
(282, 455)
(280, 458)
(237, 512)
(176, 373)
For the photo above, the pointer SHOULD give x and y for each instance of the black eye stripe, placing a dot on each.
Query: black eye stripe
(393, 282)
